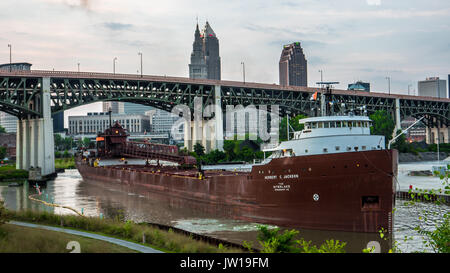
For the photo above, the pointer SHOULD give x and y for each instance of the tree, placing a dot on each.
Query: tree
(383, 124)
(2, 129)
(214, 157)
(86, 142)
(293, 122)
(199, 149)
(228, 147)
(2, 152)
(59, 142)
(246, 154)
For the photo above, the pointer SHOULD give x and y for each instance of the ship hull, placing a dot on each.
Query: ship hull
(352, 191)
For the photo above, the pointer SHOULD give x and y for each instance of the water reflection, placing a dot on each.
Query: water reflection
(118, 201)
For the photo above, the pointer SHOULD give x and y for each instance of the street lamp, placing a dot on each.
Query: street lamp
(114, 65)
(389, 84)
(321, 77)
(10, 57)
(243, 70)
(140, 53)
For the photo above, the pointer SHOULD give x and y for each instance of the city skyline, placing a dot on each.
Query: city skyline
(349, 41)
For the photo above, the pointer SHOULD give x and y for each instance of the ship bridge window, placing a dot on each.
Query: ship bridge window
(370, 202)
(344, 124)
(320, 125)
(326, 124)
(359, 124)
(338, 124)
(308, 125)
(332, 124)
(314, 125)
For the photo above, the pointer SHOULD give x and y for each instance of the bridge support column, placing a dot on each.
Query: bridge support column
(34, 138)
(25, 144)
(46, 142)
(188, 135)
(34, 141)
(19, 145)
(218, 129)
(433, 133)
(398, 125)
(209, 132)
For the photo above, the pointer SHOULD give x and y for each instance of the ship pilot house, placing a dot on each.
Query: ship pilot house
(330, 134)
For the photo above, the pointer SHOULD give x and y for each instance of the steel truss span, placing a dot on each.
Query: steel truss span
(20, 95)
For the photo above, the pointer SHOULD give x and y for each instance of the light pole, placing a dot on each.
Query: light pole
(78, 67)
(10, 57)
(321, 77)
(114, 65)
(389, 84)
(140, 53)
(243, 70)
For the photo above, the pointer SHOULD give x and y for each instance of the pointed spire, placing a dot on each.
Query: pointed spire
(208, 31)
(197, 31)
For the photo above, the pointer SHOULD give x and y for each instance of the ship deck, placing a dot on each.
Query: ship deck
(175, 171)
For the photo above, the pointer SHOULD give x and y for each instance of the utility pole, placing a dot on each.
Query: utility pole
(114, 65)
(243, 71)
(140, 53)
(10, 57)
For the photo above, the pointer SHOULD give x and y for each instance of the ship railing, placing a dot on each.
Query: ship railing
(152, 151)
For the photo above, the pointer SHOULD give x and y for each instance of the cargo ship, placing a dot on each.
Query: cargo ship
(332, 175)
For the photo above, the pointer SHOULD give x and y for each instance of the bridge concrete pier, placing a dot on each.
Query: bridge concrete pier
(34, 141)
(433, 133)
(207, 132)
(398, 125)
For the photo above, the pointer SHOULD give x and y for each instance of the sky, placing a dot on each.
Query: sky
(349, 40)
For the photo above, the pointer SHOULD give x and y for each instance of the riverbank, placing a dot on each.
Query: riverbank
(166, 241)
(65, 163)
(422, 156)
(19, 239)
(9, 173)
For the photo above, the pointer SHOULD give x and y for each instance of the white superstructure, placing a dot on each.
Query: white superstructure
(330, 134)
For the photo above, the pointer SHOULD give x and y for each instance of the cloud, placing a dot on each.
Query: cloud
(117, 26)
(373, 2)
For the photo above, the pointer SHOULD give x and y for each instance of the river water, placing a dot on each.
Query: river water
(114, 201)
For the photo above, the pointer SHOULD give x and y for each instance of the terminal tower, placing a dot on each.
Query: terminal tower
(205, 58)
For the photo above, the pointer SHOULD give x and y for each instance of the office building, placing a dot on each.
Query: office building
(93, 123)
(432, 87)
(205, 57)
(293, 66)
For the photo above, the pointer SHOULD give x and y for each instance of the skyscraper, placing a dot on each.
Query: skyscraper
(115, 106)
(205, 58)
(293, 66)
(432, 87)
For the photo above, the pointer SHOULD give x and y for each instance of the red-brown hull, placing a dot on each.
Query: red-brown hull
(346, 191)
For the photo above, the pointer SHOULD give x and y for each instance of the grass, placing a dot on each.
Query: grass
(65, 163)
(166, 241)
(9, 173)
(17, 239)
